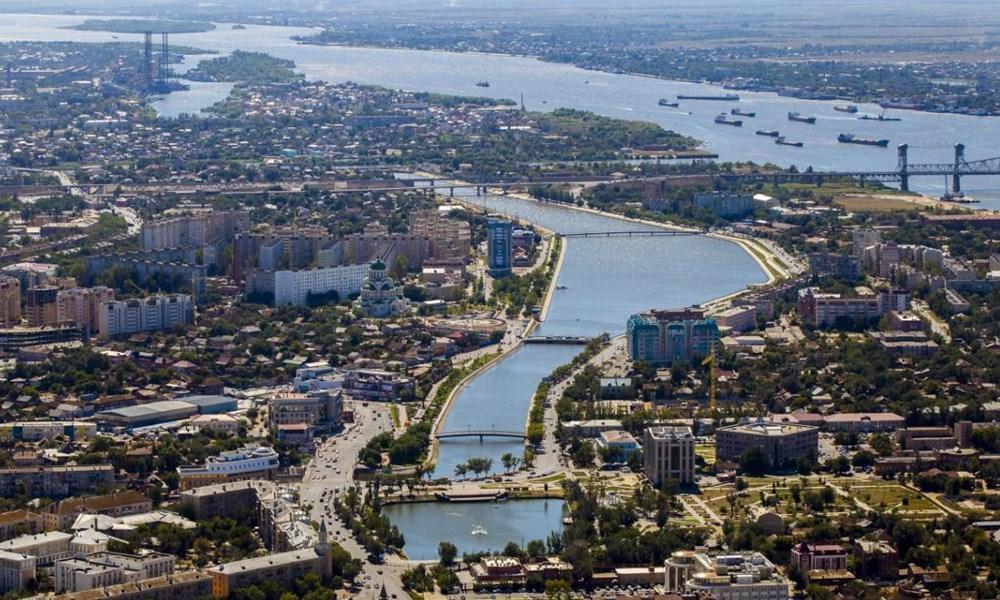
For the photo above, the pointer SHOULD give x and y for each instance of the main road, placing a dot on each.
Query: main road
(330, 474)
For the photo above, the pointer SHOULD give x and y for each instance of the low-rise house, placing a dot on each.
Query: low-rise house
(819, 557)
(875, 559)
(499, 571)
(64, 513)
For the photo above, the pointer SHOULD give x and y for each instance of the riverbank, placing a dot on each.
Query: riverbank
(773, 267)
(554, 245)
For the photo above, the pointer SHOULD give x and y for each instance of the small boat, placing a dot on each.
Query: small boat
(668, 103)
(781, 141)
(238, 27)
(769, 132)
(722, 119)
(878, 117)
(850, 138)
(561, 287)
(958, 199)
(478, 530)
(724, 98)
(794, 116)
(850, 108)
(742, 113)
(483, 83)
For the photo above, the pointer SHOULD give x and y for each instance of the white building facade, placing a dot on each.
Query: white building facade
(153, 313)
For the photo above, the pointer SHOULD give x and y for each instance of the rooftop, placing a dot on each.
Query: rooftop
(265, 562)
(670, 431)
(768, 429)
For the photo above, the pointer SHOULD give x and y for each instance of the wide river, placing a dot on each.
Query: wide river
(547, 86)
(605, 279)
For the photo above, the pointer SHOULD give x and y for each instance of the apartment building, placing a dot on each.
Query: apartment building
(17, 570)
(37, 431)
(47, 548)
(282, 567)
(10, 301)
(194, 230)
(82, 306)
(104, 569)
(56, 482)
(662, 336)
(40, 306)
(152, 313)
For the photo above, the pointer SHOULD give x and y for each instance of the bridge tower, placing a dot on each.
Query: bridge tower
(956, 180)
(903, 167)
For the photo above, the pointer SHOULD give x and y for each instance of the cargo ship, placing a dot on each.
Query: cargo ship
(769, 132)
(781, 141)
(724, 97)
(483, 83)
(850, 108)
(850, 138)
(723, 119)
(665, 102)
(794, 116)
(742, 113)
(879, 117)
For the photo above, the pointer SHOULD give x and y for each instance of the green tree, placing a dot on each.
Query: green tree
(447, 553)
(754, 462)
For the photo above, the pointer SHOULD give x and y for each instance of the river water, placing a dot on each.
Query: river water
(605, 279)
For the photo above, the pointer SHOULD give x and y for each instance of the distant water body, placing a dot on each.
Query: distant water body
(547, 86)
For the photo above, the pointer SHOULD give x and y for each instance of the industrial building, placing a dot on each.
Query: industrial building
(164, 411)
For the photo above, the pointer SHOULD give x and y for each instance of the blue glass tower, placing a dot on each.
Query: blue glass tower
(499, 247)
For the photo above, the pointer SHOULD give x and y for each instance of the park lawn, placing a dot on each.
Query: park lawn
(706, 451)
(892, 496)
(554, 478)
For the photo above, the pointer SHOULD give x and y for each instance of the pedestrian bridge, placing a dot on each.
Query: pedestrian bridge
(633, 233)
(481, 433)
(556, 339)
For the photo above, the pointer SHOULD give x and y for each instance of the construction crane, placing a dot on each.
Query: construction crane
(143, 291)
(713, 361)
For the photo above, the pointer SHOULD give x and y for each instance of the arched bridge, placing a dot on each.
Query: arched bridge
(633, 233)
(481, 433)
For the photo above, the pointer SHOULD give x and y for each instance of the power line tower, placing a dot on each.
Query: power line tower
(147, 61)
(164, 70)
